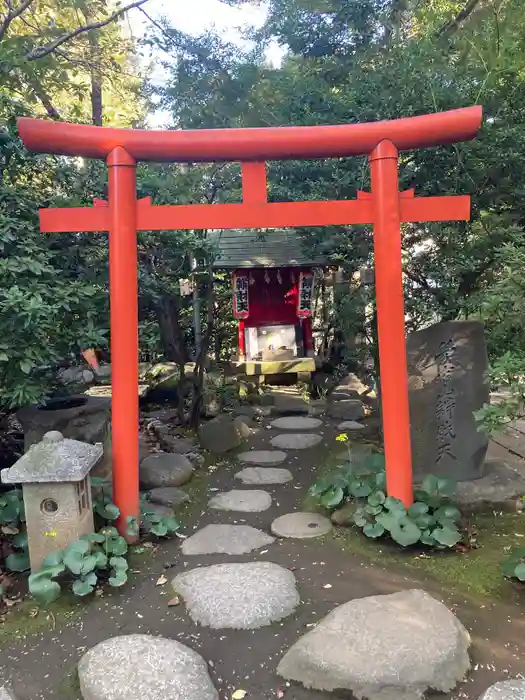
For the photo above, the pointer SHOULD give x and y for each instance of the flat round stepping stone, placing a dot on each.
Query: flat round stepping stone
(142, 667)
(165, 469)
(505, 690)
(296, 423)
(301, 525)
(238, 596)
(296, 441)
(264, 475)
(254, 501)
(226, 539)
(420, 643)
(262, 457)
(350, 425)
(168, 496)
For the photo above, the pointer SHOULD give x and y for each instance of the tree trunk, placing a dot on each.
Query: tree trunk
(171, 334)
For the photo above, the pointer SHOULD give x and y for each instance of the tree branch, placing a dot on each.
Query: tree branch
(42, 51)
(453, 24)
(12, 14)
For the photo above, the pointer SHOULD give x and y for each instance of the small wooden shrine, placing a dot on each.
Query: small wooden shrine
(273, 297)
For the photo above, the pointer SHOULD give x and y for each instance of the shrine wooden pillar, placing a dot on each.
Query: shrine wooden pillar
(123, 291)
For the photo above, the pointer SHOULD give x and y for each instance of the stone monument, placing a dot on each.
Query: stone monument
(446, 367)
(57, 492)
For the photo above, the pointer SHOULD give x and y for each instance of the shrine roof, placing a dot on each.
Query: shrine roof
(250, 248)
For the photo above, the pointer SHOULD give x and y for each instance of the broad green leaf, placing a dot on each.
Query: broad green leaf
(332, 497)
(373, 510)
(427, 538)
(376, 498)
(359, 488)
(159, 529)
(373, 530)
(519, 572)
(83, 586)
(20, 540)
(405, 532)
(119, 563)
(446, 536)
(119, 579)
(132, 526)
(394, 504)
(425, 521)
(450, 513)
(430, 484)
(416, 509)
(18, 561)
(359, 518)
(93, 537)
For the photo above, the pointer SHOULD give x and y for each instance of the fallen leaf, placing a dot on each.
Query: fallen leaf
(173, 602)
(279, 693)
(327, 585)
(34, 612)
(148, 545)
(10, 602)
(239, 694)
(162, 580)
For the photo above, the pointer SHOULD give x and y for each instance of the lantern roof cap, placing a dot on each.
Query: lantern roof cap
(53, 459)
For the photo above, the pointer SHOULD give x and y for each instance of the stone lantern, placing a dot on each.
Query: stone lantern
(56, 487)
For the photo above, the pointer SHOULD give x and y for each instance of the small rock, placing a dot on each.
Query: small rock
(165, 469)
(238, 596)
(420, 643)
(242, 426)
(344, 517)
(301, 525)
(349, 409)
(179, 445)
(505, 690)
(168, 496)
(220, 434)
(143, 667)
(254, 501)
(245, 411)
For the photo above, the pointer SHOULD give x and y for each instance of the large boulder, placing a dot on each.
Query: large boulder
(165, 469)
(505, 690)
(84, 418)
(142, 667)
(220, 434)
(386, 647)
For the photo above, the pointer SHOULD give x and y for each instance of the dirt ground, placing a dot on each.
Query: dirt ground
(43, 665)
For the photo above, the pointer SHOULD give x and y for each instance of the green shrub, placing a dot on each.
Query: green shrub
(514, 565)
(432, 520)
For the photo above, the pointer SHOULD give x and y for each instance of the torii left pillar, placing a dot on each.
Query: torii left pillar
(123, 290)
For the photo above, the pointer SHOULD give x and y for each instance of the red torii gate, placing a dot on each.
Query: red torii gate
(385, 207)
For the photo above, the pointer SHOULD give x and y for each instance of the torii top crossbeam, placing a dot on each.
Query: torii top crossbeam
(385, 207)
(271, 143)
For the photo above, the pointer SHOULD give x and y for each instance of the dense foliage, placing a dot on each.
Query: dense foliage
(343, 61)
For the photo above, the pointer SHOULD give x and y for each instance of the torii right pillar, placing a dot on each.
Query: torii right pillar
(391, 319)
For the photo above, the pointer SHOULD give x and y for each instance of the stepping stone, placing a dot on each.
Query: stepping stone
(168, 496)
(350, 425)
(264, 475)
(143, 667)
(504, 690)
(262, 457)
(385, 647)
(238, 596)
(165, 469)
(226, 539)
(301, 525)
(254, 501)
(296, 441)
(296, 423)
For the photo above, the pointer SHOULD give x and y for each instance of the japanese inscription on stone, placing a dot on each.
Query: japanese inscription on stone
(446, 399)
